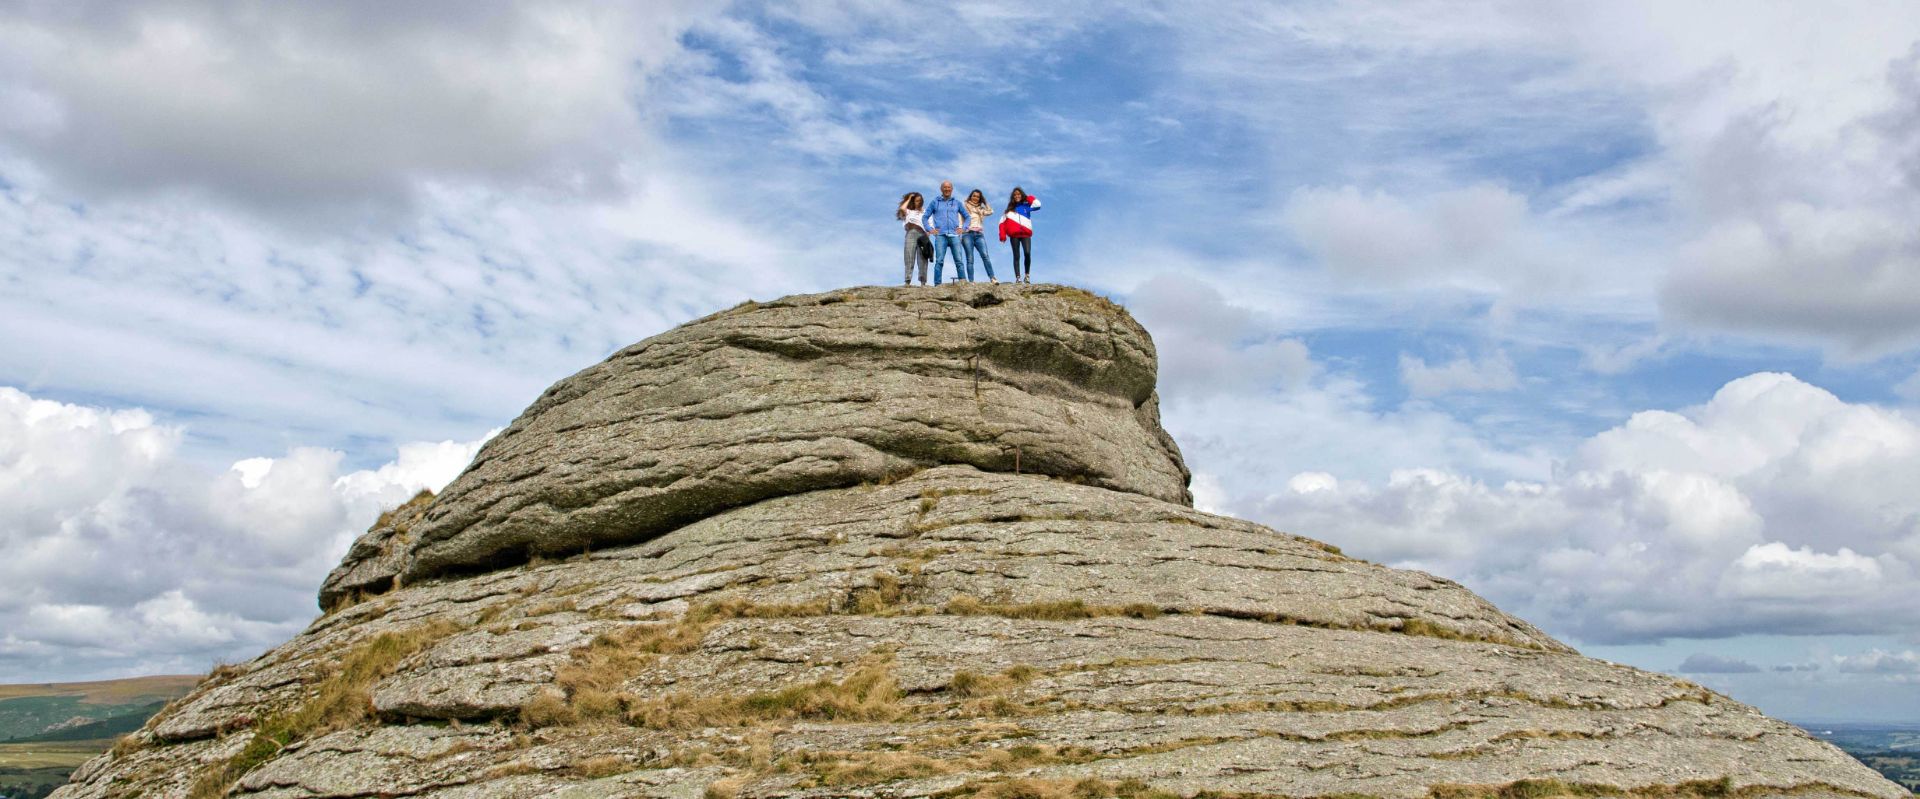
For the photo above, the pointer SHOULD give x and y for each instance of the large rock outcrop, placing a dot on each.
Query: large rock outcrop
(796, 395)
(800, 559)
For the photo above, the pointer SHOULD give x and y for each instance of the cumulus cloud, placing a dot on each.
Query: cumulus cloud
(1704, 663)
(1879, 661)
(1806, 223)
(1208, 345)
(124, 557)
(300, 107)
(1775, 507)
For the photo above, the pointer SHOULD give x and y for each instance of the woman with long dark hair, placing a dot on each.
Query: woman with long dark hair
(974, 239)
(918, 248)
(1016, 228)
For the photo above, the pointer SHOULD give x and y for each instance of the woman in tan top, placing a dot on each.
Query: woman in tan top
(918, 249)
(973, 239)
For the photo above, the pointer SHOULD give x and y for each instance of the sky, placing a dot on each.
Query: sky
(1609, 311)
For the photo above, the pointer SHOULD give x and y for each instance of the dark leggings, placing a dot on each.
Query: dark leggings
(1022, 245)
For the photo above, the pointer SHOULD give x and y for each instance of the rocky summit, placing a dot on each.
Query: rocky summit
(899, 543)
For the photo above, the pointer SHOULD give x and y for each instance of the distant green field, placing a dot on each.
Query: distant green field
(48, 730)
(31, 783)
(31, 771)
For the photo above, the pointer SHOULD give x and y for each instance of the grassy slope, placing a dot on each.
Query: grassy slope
(35, 710)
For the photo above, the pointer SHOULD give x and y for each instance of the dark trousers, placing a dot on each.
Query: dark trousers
(1022, 246)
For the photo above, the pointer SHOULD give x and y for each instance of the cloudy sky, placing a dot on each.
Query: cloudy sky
(1610, 311)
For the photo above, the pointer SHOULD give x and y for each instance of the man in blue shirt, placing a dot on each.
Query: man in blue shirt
(943, 220)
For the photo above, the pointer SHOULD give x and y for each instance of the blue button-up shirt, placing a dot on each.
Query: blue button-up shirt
(943, 214)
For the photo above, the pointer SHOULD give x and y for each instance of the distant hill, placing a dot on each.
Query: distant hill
(37, 710)
(48, 729)
(1891, 749)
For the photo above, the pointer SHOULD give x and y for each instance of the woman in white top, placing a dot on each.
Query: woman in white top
(918, 247)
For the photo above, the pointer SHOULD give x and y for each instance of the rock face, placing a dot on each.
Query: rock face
(801, 559)
(801, 394)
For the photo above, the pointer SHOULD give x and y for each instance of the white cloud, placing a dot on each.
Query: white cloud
(1774, 571)
(1879, 661)
(1493, 373)
(1376, 239)
(124, 557)
(1773, 508)
(1208, 345)
(301, 109)
(1758, 178)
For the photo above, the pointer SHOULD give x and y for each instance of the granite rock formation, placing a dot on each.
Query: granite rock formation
(909, 542)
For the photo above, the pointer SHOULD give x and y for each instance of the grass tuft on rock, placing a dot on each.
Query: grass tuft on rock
(1061, 610)
(343, 699)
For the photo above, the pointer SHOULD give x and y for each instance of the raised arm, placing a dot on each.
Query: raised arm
(1033, 203)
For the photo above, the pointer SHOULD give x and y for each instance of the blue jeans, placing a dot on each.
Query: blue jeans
(942, 245)
(971, 242)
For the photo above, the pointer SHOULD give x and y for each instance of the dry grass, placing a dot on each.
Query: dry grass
(343, 699)
(551, 607)
(1408, 626)
(1545, 789)
(387, 518)
(728, 788)
(591, 684)
(1524, 789)
(1089, 788)
(974, 684)
(513, 768)
(869, 693)
(885, 594)
(594, 768)
(1063, 610)
(841, 769)
(127, 745)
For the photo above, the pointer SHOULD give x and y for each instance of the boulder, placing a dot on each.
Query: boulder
(805, 393)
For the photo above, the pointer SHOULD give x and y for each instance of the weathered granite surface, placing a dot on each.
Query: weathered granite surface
(804, 393)
(959, 630)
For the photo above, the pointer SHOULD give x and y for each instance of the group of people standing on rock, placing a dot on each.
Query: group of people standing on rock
(945, 225)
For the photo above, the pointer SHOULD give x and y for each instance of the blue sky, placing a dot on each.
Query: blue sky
(1610, 312)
